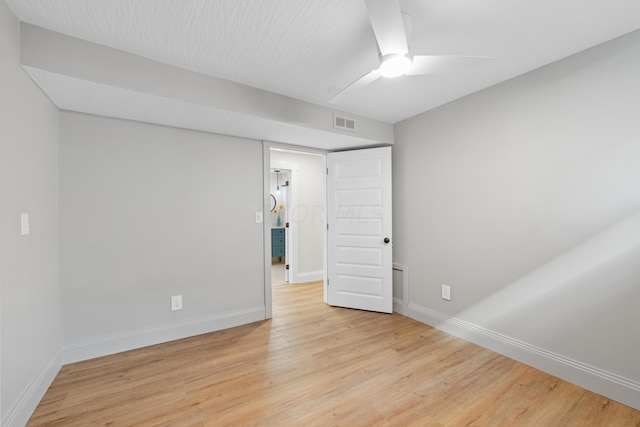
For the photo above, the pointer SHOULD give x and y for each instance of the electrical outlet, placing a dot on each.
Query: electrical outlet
(24, 224)
(446, 292)
(259, 217)
(176, 302)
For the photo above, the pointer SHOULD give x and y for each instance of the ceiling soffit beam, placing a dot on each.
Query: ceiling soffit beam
(61, 54)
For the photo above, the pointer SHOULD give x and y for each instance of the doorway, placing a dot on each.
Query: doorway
(358, 243)
(301, 208)
(359, 214)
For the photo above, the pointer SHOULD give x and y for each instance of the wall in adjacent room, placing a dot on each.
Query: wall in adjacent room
(29, 293)
(525, 199)
(148, 212)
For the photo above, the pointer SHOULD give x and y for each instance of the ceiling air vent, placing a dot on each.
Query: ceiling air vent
(344, 123)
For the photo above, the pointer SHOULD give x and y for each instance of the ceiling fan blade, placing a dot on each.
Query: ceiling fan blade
(388, 26)
(445, 64)
(368, 78)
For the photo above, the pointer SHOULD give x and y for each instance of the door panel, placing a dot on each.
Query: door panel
(359, 219)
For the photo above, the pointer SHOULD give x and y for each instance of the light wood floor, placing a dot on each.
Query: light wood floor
(314, 365)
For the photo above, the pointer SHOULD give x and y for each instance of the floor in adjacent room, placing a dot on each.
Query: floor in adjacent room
(316, 365)
(278, 273)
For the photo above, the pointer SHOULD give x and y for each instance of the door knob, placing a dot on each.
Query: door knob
(386, 240)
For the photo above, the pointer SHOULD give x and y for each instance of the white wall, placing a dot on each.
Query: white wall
(29, 293)
(524, 198)
(308, 210)
(147, 212)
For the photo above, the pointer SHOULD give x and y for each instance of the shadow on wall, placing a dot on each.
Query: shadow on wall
(583, 293)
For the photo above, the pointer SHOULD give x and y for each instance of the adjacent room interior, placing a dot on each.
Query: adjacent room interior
(140, 146)
(297, 196)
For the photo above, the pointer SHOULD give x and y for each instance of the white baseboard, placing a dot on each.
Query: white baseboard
(606, 383)
(103, 346)
(20, 412)
(310, 276)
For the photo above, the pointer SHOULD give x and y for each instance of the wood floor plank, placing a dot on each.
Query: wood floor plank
(315, 365)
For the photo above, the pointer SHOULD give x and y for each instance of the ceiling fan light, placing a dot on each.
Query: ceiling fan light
(394, 65)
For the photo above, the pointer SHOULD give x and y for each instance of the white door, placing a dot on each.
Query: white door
(359, 259)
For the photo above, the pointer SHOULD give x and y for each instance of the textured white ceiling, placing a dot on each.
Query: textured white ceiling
(303, 48)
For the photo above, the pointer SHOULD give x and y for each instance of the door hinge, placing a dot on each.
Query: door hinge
(286, 225)
(327, 171)
(327, 282)
(286, 267)
(327, 226)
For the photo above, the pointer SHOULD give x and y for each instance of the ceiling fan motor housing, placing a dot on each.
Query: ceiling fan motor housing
(394, 65)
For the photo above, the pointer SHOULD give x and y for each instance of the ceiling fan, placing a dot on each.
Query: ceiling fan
(395, 59)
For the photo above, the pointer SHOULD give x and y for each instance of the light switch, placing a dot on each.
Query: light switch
(24, 223)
